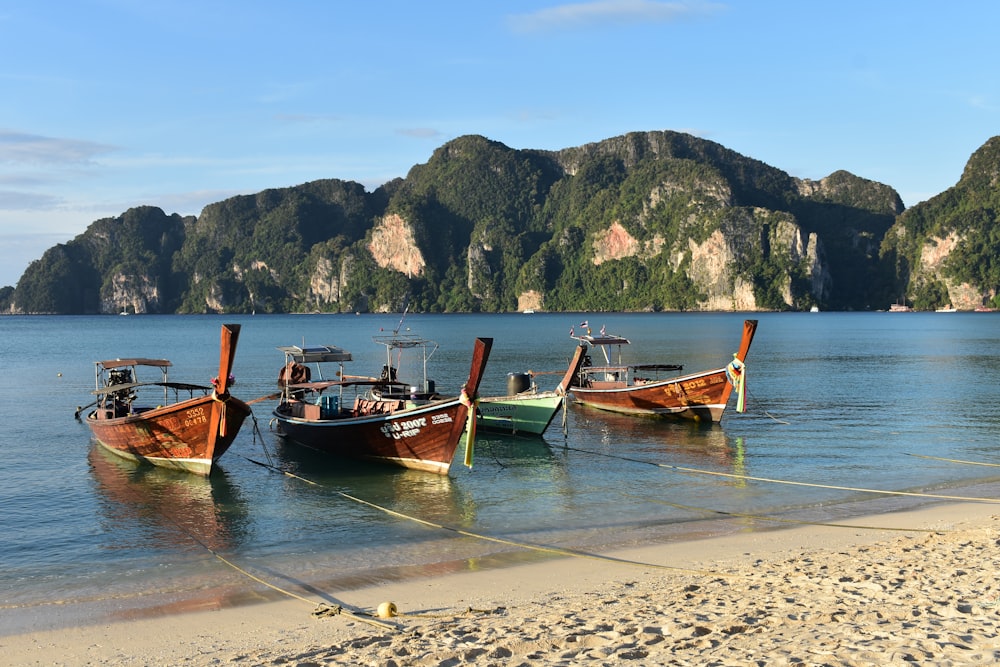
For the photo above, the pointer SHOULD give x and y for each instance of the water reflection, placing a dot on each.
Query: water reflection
(414, 493)
(511, 451)
(659, 441)
(148, 507)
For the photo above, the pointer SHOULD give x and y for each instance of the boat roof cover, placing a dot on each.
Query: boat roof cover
(135, 361)
(603, 340)
(183, 386)
(403, 341)
(316, 353)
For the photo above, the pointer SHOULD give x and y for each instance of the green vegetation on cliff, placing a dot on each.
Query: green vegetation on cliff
(965, 217)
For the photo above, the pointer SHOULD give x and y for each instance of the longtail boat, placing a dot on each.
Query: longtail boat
(525, 410)
(357, 417)
(641, 389)
(134, 420)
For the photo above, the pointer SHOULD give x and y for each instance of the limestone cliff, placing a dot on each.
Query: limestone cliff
(530, 300)
(616, 243)
(393, 246)
(324, 283)
(934, 255)
(132, 293)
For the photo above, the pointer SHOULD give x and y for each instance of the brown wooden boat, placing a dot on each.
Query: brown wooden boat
(344, 418)
(165, 429)
(638, 389)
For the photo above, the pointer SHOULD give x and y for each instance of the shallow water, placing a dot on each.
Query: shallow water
(862, 401)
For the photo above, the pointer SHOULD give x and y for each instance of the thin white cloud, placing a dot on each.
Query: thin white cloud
(23, 148)
(602, 12)
(419, 132)
(12, 200)
(980, 102)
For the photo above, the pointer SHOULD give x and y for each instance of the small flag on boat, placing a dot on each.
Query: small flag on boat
(604, 329)
(571, 331)
(585, 324)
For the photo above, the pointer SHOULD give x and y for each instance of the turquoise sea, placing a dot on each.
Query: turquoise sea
(840, 406)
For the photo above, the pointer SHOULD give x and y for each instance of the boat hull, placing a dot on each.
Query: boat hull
(177, 436)
(698, 397)
(424, 437)
(527, 414)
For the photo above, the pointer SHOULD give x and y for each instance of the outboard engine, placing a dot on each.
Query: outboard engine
(121, 401)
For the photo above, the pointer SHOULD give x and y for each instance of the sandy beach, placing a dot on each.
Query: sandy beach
(904, 588)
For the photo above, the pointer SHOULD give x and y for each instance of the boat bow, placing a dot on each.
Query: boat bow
(220, 394)
(470, 396)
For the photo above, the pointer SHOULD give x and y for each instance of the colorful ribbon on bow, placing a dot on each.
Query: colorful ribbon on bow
(736, 372)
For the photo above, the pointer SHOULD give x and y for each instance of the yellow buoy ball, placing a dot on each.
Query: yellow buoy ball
(387, 610)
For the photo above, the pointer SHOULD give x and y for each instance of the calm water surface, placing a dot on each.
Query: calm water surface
(869, 401)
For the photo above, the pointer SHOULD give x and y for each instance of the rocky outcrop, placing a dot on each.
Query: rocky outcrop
(933, 255)
(393, 246)
(713, 264)
(844, 188)
(480, 271)
(722, 266)
(133, 293)
(324, 283)
(616, 243)
(530, 300)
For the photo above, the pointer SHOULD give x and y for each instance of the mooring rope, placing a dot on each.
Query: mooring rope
(765, 412)
(764, 517)
(222, 559)
(561, 551)
(751, 478)
(968, 463)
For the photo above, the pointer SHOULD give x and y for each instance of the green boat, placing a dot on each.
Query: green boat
(525, 410)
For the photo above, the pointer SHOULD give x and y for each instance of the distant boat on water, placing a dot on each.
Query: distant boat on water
(900, 308)
(946, 309)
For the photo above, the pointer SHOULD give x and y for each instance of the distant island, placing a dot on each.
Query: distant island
(647, 221)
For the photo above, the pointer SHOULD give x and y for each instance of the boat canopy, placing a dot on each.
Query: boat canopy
(316, 354)
(404, 341)
(180, 386)
(602, 340)
(135, 361)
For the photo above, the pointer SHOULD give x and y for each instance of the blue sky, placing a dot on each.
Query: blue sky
(110, 104)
